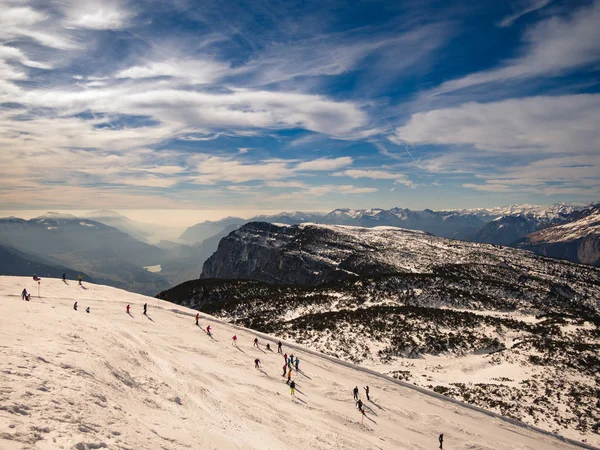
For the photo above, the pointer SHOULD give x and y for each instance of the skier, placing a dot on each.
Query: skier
(284, 369)
(255, 343)
(28, 297)
(279, 350)
(24, 294)
(234, 340)
(197, 317)
(208, 330)
(359, 404)
(75, 306)
(289, 376)
(441, 439)
(292, 388)
(285, 358)
(355, 391)
(145, 309)
(64, 277)
(268, 346)
(87, 310)
(36, 278)
(257, 363)
(297, 362)
(79, 277)
(128, 306)
(367, 392)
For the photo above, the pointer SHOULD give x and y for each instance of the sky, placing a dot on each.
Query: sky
(298, 105)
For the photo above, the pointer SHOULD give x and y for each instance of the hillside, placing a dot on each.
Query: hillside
(577, 241)
(110, 380)
(441, 314)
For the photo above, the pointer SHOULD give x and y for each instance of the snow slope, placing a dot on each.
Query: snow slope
(109, 380)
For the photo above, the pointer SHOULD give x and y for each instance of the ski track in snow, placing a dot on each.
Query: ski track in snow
(109, 380)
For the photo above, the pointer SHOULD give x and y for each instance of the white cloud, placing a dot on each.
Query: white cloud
(527, 7)
(372, 174)
(325, 163)
(552, 47)
(243, 150)
(196, 71)
(96, 15)
(318, 191)
(286, 184)
(534, 125)
(405, 181)
(240, 109)
(17, 21)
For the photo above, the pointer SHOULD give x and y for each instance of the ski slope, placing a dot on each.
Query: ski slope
(110, 380)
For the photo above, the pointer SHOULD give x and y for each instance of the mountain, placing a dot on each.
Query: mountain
(507, 230)
(501, 225)
(547, 212)
(315, 253)
(184, 262)
(120, 222)
(107, 254)
(498, 327)
(577, 240)
(510, 228)
(111, 380)
(16, 263)
(207, 229)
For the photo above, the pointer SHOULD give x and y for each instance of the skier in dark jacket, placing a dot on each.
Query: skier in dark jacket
(355, 391)
(87, 310)
(359, 404)
(441, 439)
(293, 388)
(255, 342)
(257, 363)
(279, 350)
(65, 277)
(145, 309)
(24, 294)
(367, 392)
(75, 306)
(197, 317)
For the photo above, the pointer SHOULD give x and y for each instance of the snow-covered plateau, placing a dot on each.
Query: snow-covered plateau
(73, 380)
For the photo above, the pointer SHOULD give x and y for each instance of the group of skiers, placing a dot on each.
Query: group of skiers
(289, 362)
(27, 296)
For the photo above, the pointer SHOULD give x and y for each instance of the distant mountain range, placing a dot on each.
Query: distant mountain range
(112, 249)
(501, 226)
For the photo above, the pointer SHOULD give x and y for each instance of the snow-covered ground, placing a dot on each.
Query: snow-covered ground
(110, 380)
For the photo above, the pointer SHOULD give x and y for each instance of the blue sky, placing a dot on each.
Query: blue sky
(298, 105)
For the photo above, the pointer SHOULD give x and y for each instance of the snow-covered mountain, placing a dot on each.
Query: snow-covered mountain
(547, 212)
(577, 240)
(498, 327)
(112, 380)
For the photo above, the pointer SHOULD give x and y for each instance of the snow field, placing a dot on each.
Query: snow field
(110, 380)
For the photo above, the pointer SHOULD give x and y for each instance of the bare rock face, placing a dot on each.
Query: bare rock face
(290, 254)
